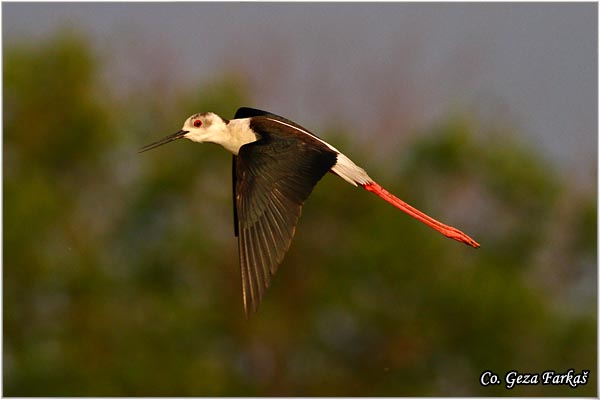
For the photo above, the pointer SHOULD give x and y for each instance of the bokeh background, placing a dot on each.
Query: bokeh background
(120, 270)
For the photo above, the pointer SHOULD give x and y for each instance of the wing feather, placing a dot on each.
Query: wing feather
(273, 178)
(245, 258)
(244, 269)
(261, 278)
(264, 243)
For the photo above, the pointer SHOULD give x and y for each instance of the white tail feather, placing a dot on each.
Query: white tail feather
(350, 172)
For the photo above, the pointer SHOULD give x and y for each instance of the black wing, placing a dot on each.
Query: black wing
(247, 112)
(274, 176)
(234, 179)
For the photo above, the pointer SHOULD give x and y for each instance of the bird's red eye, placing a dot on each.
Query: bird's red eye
(197, 123)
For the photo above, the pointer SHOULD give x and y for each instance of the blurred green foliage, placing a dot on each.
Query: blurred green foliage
(121, 275)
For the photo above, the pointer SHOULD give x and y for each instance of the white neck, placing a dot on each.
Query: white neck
(237, 134)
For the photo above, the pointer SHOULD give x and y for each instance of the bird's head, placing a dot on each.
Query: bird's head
(203, 127)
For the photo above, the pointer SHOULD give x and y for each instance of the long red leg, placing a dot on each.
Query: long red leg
(444, 229)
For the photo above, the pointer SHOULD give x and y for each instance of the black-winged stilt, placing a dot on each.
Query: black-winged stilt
(276, 164)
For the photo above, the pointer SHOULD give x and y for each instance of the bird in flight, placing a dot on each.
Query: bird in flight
(276, 164)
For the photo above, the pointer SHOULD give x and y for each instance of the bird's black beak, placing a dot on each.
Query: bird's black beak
(170, 138)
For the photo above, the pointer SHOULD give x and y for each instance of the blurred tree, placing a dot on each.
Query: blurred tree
(120, 270)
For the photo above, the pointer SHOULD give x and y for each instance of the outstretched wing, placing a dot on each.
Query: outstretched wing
(273, 178)
(247, 112)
